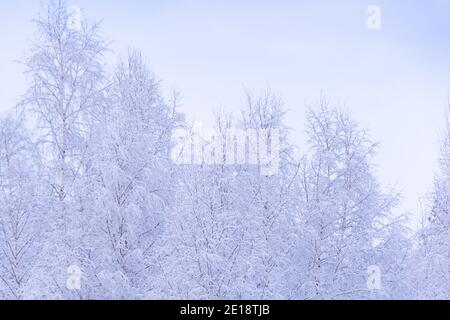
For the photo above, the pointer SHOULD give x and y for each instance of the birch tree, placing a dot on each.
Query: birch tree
(65, 84)
(433, 270)
(22, 207)
(129, 182)
(341, 207)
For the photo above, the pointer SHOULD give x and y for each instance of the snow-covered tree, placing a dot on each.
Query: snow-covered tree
(432, 267)
(205, 239)
(22, 209)
(271, 198)
(231, 230)
(66, 84)
(341, 207)
(129, 181)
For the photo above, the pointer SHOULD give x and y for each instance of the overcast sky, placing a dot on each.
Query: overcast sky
(395, 81)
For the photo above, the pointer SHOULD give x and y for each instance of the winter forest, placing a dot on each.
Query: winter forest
(96, 204)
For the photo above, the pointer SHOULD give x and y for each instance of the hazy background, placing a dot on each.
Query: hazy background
(395, 81)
